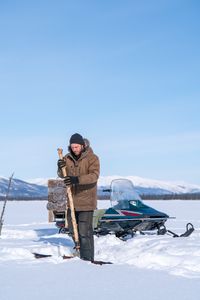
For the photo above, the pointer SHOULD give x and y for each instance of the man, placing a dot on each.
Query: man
(82, 167)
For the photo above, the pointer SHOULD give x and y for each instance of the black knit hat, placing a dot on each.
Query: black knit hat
(76, 138)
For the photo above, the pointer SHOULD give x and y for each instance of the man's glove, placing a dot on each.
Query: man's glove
(61, 163)
(69, 180)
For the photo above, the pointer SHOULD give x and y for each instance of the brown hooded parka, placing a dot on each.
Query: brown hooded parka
(87, 168)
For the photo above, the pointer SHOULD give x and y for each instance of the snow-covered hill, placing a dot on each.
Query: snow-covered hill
(37, 187)
(151, 186)
(39, 181)
(20, 188)
(142, 185)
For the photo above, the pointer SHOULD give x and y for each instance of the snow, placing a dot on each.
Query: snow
(143, 185)
(152, 186)
(147, 267)
(20, 188)
(39, 181)
(37, 187)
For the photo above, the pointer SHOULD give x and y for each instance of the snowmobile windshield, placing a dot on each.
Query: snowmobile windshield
(122, 192)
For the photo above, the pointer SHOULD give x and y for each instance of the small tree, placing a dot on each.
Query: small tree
(5, 201)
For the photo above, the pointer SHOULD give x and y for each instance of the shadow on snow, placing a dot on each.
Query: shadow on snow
(49, 236)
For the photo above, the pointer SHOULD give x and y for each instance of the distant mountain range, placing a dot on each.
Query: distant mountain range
(22, 189)
(37, 188)
(156, 187)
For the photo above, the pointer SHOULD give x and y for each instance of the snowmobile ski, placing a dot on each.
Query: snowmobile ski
(188, 232)
(95, 262)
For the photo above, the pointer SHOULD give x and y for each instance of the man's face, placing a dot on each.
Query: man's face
(76, 149)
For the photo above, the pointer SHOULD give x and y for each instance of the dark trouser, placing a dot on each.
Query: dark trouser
(84, 221)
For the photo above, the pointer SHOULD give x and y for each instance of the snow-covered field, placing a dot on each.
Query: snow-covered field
(145, 267)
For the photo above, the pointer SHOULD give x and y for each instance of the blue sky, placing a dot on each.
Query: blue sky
(124, 74)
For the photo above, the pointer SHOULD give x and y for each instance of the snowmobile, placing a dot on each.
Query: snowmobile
(126, 215)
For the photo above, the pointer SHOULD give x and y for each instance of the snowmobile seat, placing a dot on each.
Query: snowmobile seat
(98, 214)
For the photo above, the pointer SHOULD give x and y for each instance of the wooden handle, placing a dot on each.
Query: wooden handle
(73, 217)
(71, 204)
(60, 154)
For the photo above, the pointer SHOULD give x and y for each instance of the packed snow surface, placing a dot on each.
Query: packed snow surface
(144, 267)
